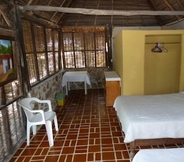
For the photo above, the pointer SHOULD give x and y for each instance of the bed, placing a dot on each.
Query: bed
(151, 119)
(160, 155)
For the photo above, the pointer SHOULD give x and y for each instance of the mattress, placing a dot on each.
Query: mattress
(151, 116)
(160, 155)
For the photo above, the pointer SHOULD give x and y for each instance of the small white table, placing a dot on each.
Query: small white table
(75, 76)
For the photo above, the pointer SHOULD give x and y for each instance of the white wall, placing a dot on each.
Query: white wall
(175, 25)
(116, 30)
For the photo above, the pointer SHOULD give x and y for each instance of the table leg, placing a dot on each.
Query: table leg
(66, 88)
(85, 87)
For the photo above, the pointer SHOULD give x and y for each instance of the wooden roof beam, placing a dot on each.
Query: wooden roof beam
(98, 4)
(69, 3)
(56, 12)
(30, 1)
(170, 7)
(152, 5)
(8, 22)
(98, 12)
(179, 2)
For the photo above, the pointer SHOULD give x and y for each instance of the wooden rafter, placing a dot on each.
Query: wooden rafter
(179, 2)
(153, 7)
(30, 1)
(80, 15)
(8, 22)
(56, 12)
(48, 3)
(127, 19)
(170, 7)
(99, 12)
(69, 3)
(98, 4)
(138, 8)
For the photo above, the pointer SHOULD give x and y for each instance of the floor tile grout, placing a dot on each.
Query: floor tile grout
(88, 132)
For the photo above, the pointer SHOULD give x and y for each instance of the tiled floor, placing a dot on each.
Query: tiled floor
(88, 132)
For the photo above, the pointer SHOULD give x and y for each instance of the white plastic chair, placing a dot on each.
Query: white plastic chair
(39, 117)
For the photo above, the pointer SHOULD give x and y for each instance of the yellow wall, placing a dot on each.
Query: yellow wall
(133, 63)
(181, 80)
(118, 58)
(129, 61)
(162, 70)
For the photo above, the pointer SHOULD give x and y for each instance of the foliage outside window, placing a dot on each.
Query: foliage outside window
(84, 47)
(42, 51)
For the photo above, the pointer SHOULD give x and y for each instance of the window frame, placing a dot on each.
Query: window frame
(83, 49)
(38, 73)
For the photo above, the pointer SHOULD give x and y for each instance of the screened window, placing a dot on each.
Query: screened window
(11, 126)
(42, 51)
(84, 48)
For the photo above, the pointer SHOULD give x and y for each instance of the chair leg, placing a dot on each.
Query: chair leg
(56, 123)
(34, 129)
(49, 133)
(28, 134)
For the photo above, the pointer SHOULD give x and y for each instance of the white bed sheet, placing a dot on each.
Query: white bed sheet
(151, 116)
(160, 155)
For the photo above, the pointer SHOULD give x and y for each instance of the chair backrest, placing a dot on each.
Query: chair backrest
(28, 106)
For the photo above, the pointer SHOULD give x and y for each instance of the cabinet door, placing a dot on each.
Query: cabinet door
(112, 91)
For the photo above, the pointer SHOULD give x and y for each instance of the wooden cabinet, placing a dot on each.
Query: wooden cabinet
(112, 87)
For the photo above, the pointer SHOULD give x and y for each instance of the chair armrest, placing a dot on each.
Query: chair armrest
(37, 111)
(34, 112)
(48, 102)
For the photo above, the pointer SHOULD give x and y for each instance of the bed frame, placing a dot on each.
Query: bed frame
(160, 139)
(147, 142)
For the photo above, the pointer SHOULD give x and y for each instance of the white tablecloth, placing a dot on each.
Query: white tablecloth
(75, 76)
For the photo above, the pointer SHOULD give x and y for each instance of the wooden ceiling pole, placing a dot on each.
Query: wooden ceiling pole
(127, 19)
(69, 3)
(153, 7)
(179, 2)
(140, 15)
(99, 12)
(47, 5)
(60, 6)
(170, 7)
(8, 22)
(30, 1)
(96, 15)
(80, 15)
(112, 15)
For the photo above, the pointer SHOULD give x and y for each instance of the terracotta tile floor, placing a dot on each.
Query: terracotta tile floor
(88, 132)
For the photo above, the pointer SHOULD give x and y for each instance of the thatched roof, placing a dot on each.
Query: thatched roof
(102, 12)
